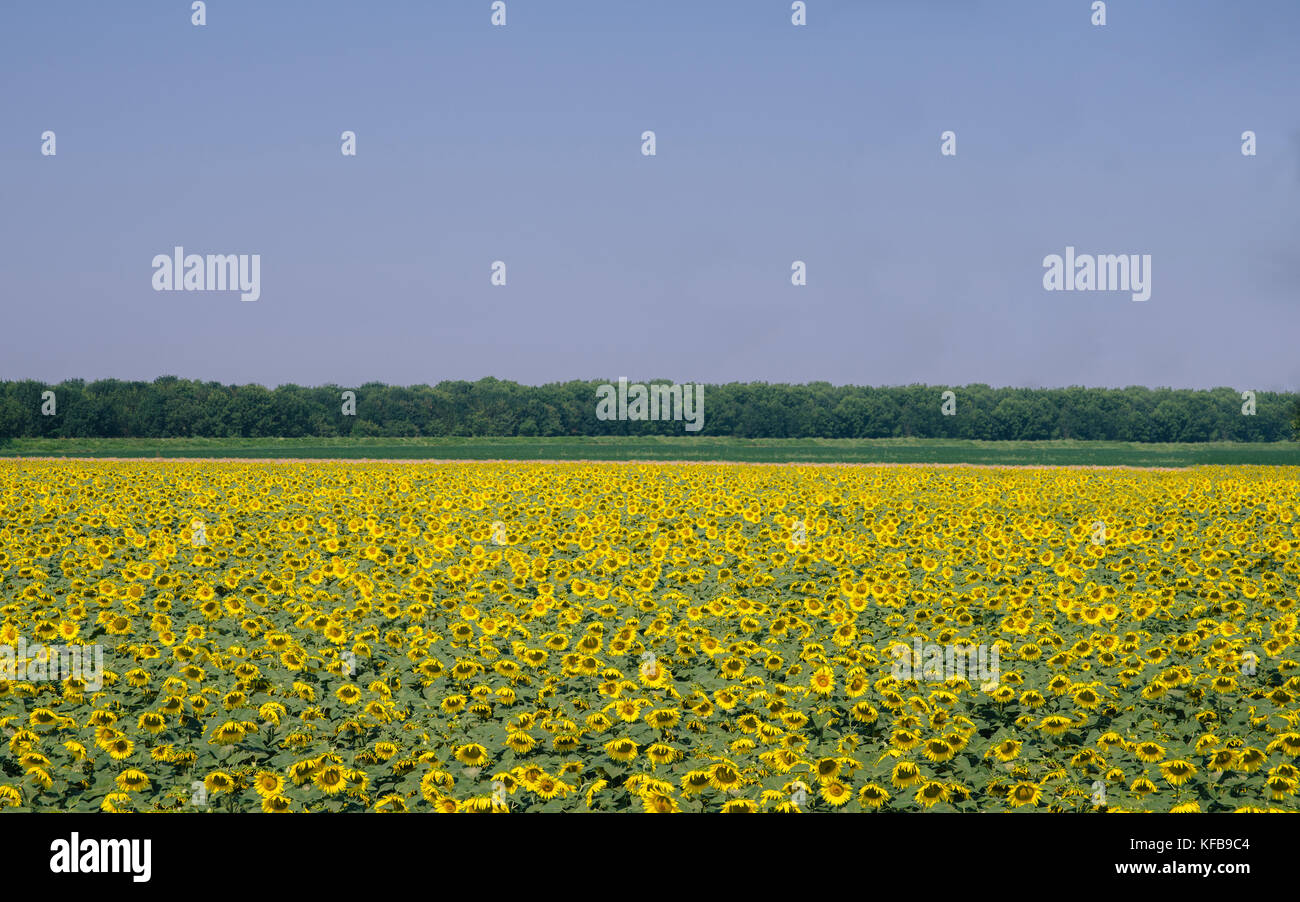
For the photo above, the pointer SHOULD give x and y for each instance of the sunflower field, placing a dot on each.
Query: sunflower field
(371, 636)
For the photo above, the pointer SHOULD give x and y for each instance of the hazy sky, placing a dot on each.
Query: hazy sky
(775, 143)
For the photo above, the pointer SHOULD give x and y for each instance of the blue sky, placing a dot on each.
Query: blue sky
(775, 143)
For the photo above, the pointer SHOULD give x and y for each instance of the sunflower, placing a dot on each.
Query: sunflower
(1003, 694)
(1087, 698)
(906, 740)
(1149, 752)
(864, 713)
(822, 681)
(301, 771)
(696, 782)
(835, 793)
(471, 755)
(593, 790)
(872, 796)
(827, 769)
(930, 793)
(1177, 772)
(724, 776)
(1287, 743)
(628, 710)
(1155, 690)
(1280, 787)
(275, 804)
(548, 787)
(621, 750)
(267, 783)
(905, 774)
(658, 803)
(116, 802)
(1024, 793)
(1032, 698)
(330, 779)
(663, 718)
(1142, 787)
(740, 806)
(119, 749)
(1005, 750)
(1056, 724)
(1059, 684)
(218, 781)
(1109, 739)
(725, 699)
(1222, 760)
(520, 743)
(229, 733)
(1250, 760)
(938, 750)
(132, 781)
(661, 753)
(151, 722)
(432, 785)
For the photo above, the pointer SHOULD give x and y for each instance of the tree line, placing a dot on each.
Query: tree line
(170, 406)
